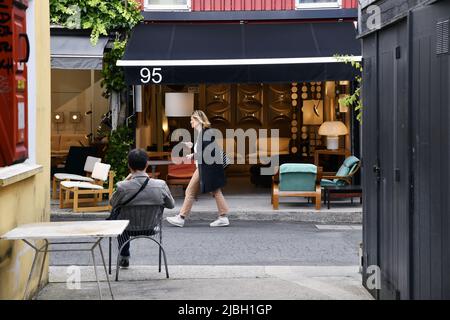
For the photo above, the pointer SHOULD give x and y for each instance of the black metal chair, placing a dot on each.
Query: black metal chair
(145, 223)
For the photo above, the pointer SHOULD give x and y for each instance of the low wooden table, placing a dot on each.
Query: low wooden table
(334, 192)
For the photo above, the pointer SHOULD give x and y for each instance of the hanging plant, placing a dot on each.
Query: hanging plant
(354, 100)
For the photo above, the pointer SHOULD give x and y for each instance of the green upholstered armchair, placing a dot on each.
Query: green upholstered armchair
(344, 174)
(297, 180)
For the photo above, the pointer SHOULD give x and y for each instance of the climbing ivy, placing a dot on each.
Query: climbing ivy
(113, 18)
(120, 143)
(113, 78)
(353, 100)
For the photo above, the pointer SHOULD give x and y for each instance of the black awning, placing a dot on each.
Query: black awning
(239, 53)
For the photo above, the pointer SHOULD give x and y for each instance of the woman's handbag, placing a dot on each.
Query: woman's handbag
(116, 210)
(226, 161)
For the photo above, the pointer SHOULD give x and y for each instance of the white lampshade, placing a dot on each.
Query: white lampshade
(179, 104)
(333, 129)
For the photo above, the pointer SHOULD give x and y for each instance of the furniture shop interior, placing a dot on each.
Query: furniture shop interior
(313, 125)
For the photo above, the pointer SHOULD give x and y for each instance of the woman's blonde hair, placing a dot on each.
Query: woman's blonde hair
(201, 117)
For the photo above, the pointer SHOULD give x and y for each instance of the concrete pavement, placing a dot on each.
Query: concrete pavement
(295, 252)
(255, 207)
(246, 202)
(215, 283)
(267, 243)
(263, 260)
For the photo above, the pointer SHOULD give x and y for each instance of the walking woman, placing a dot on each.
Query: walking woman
(206, 178)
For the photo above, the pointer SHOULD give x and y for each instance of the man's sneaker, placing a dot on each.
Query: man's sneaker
(176, 221)
(124, 262)
(220, 222)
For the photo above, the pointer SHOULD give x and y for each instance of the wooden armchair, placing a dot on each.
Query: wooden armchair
(344, 175)
(100, 174)
(180, 174)
(297, 180)
(88, 168)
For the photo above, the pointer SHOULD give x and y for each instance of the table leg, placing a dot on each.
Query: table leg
(106, 272)
(328, 199)
(110, 244)
(54, 196)
(95, 271)
(160, 241)
(33, 265)
(36, 252)
(42, 266)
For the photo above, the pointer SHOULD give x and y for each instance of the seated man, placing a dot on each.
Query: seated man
(155, 192)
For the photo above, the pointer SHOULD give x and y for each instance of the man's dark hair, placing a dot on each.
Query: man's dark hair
(137, 159)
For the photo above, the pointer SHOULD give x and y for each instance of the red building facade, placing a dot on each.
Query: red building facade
(252, 5)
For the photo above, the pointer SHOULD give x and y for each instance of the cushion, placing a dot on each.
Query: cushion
(298, 168)
(327, 183)
(90, 162)
(81, 185)
(101, 171)
(347, 167)
(76, 177)
(298, 177)
(76, 158)
(350, 161)
(181, 171)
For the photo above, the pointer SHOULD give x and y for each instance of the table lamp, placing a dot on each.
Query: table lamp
(333, 129)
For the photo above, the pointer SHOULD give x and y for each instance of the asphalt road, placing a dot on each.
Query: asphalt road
(242, 243)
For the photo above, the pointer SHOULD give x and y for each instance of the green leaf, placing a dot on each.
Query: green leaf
(354, 99)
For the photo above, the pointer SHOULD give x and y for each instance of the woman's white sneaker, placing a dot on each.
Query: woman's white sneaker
(176, 221)
(220, 222)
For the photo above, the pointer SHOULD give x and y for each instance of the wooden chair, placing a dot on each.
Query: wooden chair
(180, 174)
(344, 175)
(88, 168)
(100, 174)
(297, 180)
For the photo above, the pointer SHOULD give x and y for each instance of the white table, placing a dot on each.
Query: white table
(96, 230)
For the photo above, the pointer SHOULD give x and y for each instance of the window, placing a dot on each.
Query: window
(167, 5)
(315, 4)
